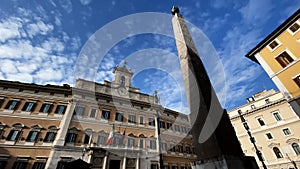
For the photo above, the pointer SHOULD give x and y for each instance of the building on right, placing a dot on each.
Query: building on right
(274, 126)
(279, 55)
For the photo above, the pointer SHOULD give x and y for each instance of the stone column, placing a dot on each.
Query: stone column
(124, 163)
(105, 162)
(137, 166)
(64, 125)
(61, 134)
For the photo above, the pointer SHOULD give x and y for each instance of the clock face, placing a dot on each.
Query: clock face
(122, 91)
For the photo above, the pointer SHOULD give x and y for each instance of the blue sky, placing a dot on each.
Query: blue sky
(41, 41)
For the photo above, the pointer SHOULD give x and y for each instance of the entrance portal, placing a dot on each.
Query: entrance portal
(114, 164)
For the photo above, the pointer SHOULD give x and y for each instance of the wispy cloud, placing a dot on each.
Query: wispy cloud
(30, 51)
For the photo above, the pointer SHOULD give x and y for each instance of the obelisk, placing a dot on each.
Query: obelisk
(221, 148)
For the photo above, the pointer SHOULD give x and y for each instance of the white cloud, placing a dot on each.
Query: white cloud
(85, 2)
(7, 66)
(23, 77)
(66, 5)
(256, 11)
(9, 28)
(48, 74)
(38, 28)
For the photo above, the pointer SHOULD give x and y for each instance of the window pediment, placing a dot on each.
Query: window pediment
(271, 145)
(292, 140)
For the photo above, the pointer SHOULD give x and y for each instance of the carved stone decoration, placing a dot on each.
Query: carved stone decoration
(292, 140)
(130, 163)
(97, 161)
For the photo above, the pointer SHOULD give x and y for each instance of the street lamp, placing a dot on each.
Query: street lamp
(258, 153)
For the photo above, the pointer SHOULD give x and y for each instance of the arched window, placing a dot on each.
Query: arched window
(296, 148)
(101, 137)
(72, 135)
(277, 152)
(87, 136)
(15, 133)
(34, 133)
(50, 135)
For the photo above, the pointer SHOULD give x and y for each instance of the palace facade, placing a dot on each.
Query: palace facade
(110, 125)
(274, 126)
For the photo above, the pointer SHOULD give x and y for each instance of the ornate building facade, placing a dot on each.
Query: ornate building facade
(274, 126)
(279, 55)
(109, 125)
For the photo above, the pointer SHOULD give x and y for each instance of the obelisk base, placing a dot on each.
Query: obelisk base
(226, 162)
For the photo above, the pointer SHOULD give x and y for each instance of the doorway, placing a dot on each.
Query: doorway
(114, 164)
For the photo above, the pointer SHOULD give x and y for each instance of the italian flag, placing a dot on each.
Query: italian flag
(111, 136)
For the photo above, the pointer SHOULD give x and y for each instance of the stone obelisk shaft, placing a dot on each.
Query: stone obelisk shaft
(200, 95)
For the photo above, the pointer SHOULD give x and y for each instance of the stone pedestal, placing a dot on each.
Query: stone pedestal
(226, 162)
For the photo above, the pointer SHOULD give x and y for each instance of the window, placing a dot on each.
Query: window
(252, 106)
(267, 101)
(154, 166)
(277, 116)
(105, 114)
(87, 136)
(284, 59)
(286, 131)
(183, 129)
(130, 142)
(116, 140)
(295, 27)
(72, 135)
(164, 146)
(261, 122)
(60, 109)
(46, 108)
(79, 110)
(169, 126)
(277, 152)
(93, 113)
(151, 121)
(194, 150)
(29, 106)
(188, 149)
(3, 161)
(153, 144)
(297, 80)
(119, 117)
(12, 105)
(14, 134)
(51, 134)
(296, 148)
(131, 119)
(142, 120)
(142, 143)
(180, 149)
(34, 133)
(189, 131)
(61, 164)
(39, 164)
(32, 136)
(101, 138)
(269, 136)
(20, 164)
(273, 44)
(162, 124)
(177, 128)
(172, 147)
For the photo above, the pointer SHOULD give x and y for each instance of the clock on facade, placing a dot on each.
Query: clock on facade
(122, 90)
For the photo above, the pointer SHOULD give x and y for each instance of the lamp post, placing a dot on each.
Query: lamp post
(258, 153)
